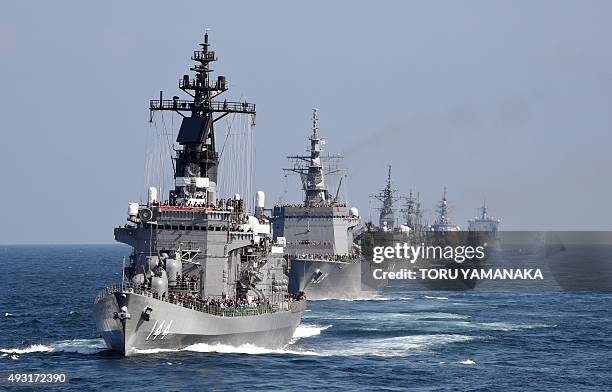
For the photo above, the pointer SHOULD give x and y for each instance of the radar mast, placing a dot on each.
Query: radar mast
(311, 168)
(387, 198)
(197, 160)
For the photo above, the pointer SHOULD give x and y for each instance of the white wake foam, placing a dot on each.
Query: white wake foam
(35, 348)
(440, 315)
(373, 297)
(243, 349)
(505, 327)
(439, 298)
(467, 362)
(388, 347)
(416, 316)
(307, 330)
(80, 346)
(302, 331)
(398, 346)
(227, 349)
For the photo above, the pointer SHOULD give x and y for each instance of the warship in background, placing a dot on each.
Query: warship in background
(445, 233)
(482, 229)
(483, 222)
(391, 230)
(387, 198)
(324, 262)
(410, 219)
(413, 216)
(203, 269)
(443, 223)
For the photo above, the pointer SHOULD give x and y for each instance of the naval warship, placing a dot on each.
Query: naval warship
(410, 217)
(483, 222)
(203, 269)
(482, 229)
(444, 233)
(443, 223)
(324, 261)
(392, 229)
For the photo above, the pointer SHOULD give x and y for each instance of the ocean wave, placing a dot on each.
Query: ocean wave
(79, 346)
(439, 298)
(302, 331)
(440, 315)
(35, 348)
(505, 326)
(374, 297)
(414, 316)
(383, 347)
(467, 362)
(399, 346)
(248, 349)
(307, 330)
(389, 347)
(243, 349)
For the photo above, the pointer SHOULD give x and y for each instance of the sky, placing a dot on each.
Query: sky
(507, 101)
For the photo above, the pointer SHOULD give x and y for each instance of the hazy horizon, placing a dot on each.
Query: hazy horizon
(503, 101)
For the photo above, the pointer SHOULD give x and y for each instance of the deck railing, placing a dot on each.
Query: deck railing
(216, 310)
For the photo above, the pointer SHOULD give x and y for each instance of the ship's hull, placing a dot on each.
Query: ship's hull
(171, 326)
(371, 271)
(321, 279)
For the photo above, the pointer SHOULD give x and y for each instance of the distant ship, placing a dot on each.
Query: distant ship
(483, 222)
(444, 233)
(392, 229)
(387, 198)
(319, 231)
(410, 217)
(202, 269)
(443, 222)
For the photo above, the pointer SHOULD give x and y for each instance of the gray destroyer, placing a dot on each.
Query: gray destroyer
(203, 269)
(319, 232)
(392, 229)
(443, 234)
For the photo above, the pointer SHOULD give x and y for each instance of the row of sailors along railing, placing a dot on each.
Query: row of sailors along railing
(214, 309)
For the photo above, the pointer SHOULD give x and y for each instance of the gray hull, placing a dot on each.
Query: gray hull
(172, 326)
(326, 279)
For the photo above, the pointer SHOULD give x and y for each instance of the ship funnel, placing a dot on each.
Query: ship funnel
(260, 199)
(133, 209)
(152, 195)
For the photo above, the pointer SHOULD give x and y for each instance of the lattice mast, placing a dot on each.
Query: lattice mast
(387, 198)
(197, 160)
(442, 210)
(412, 211)
(312, 171)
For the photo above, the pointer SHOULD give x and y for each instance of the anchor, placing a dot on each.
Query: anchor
(123, 314)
